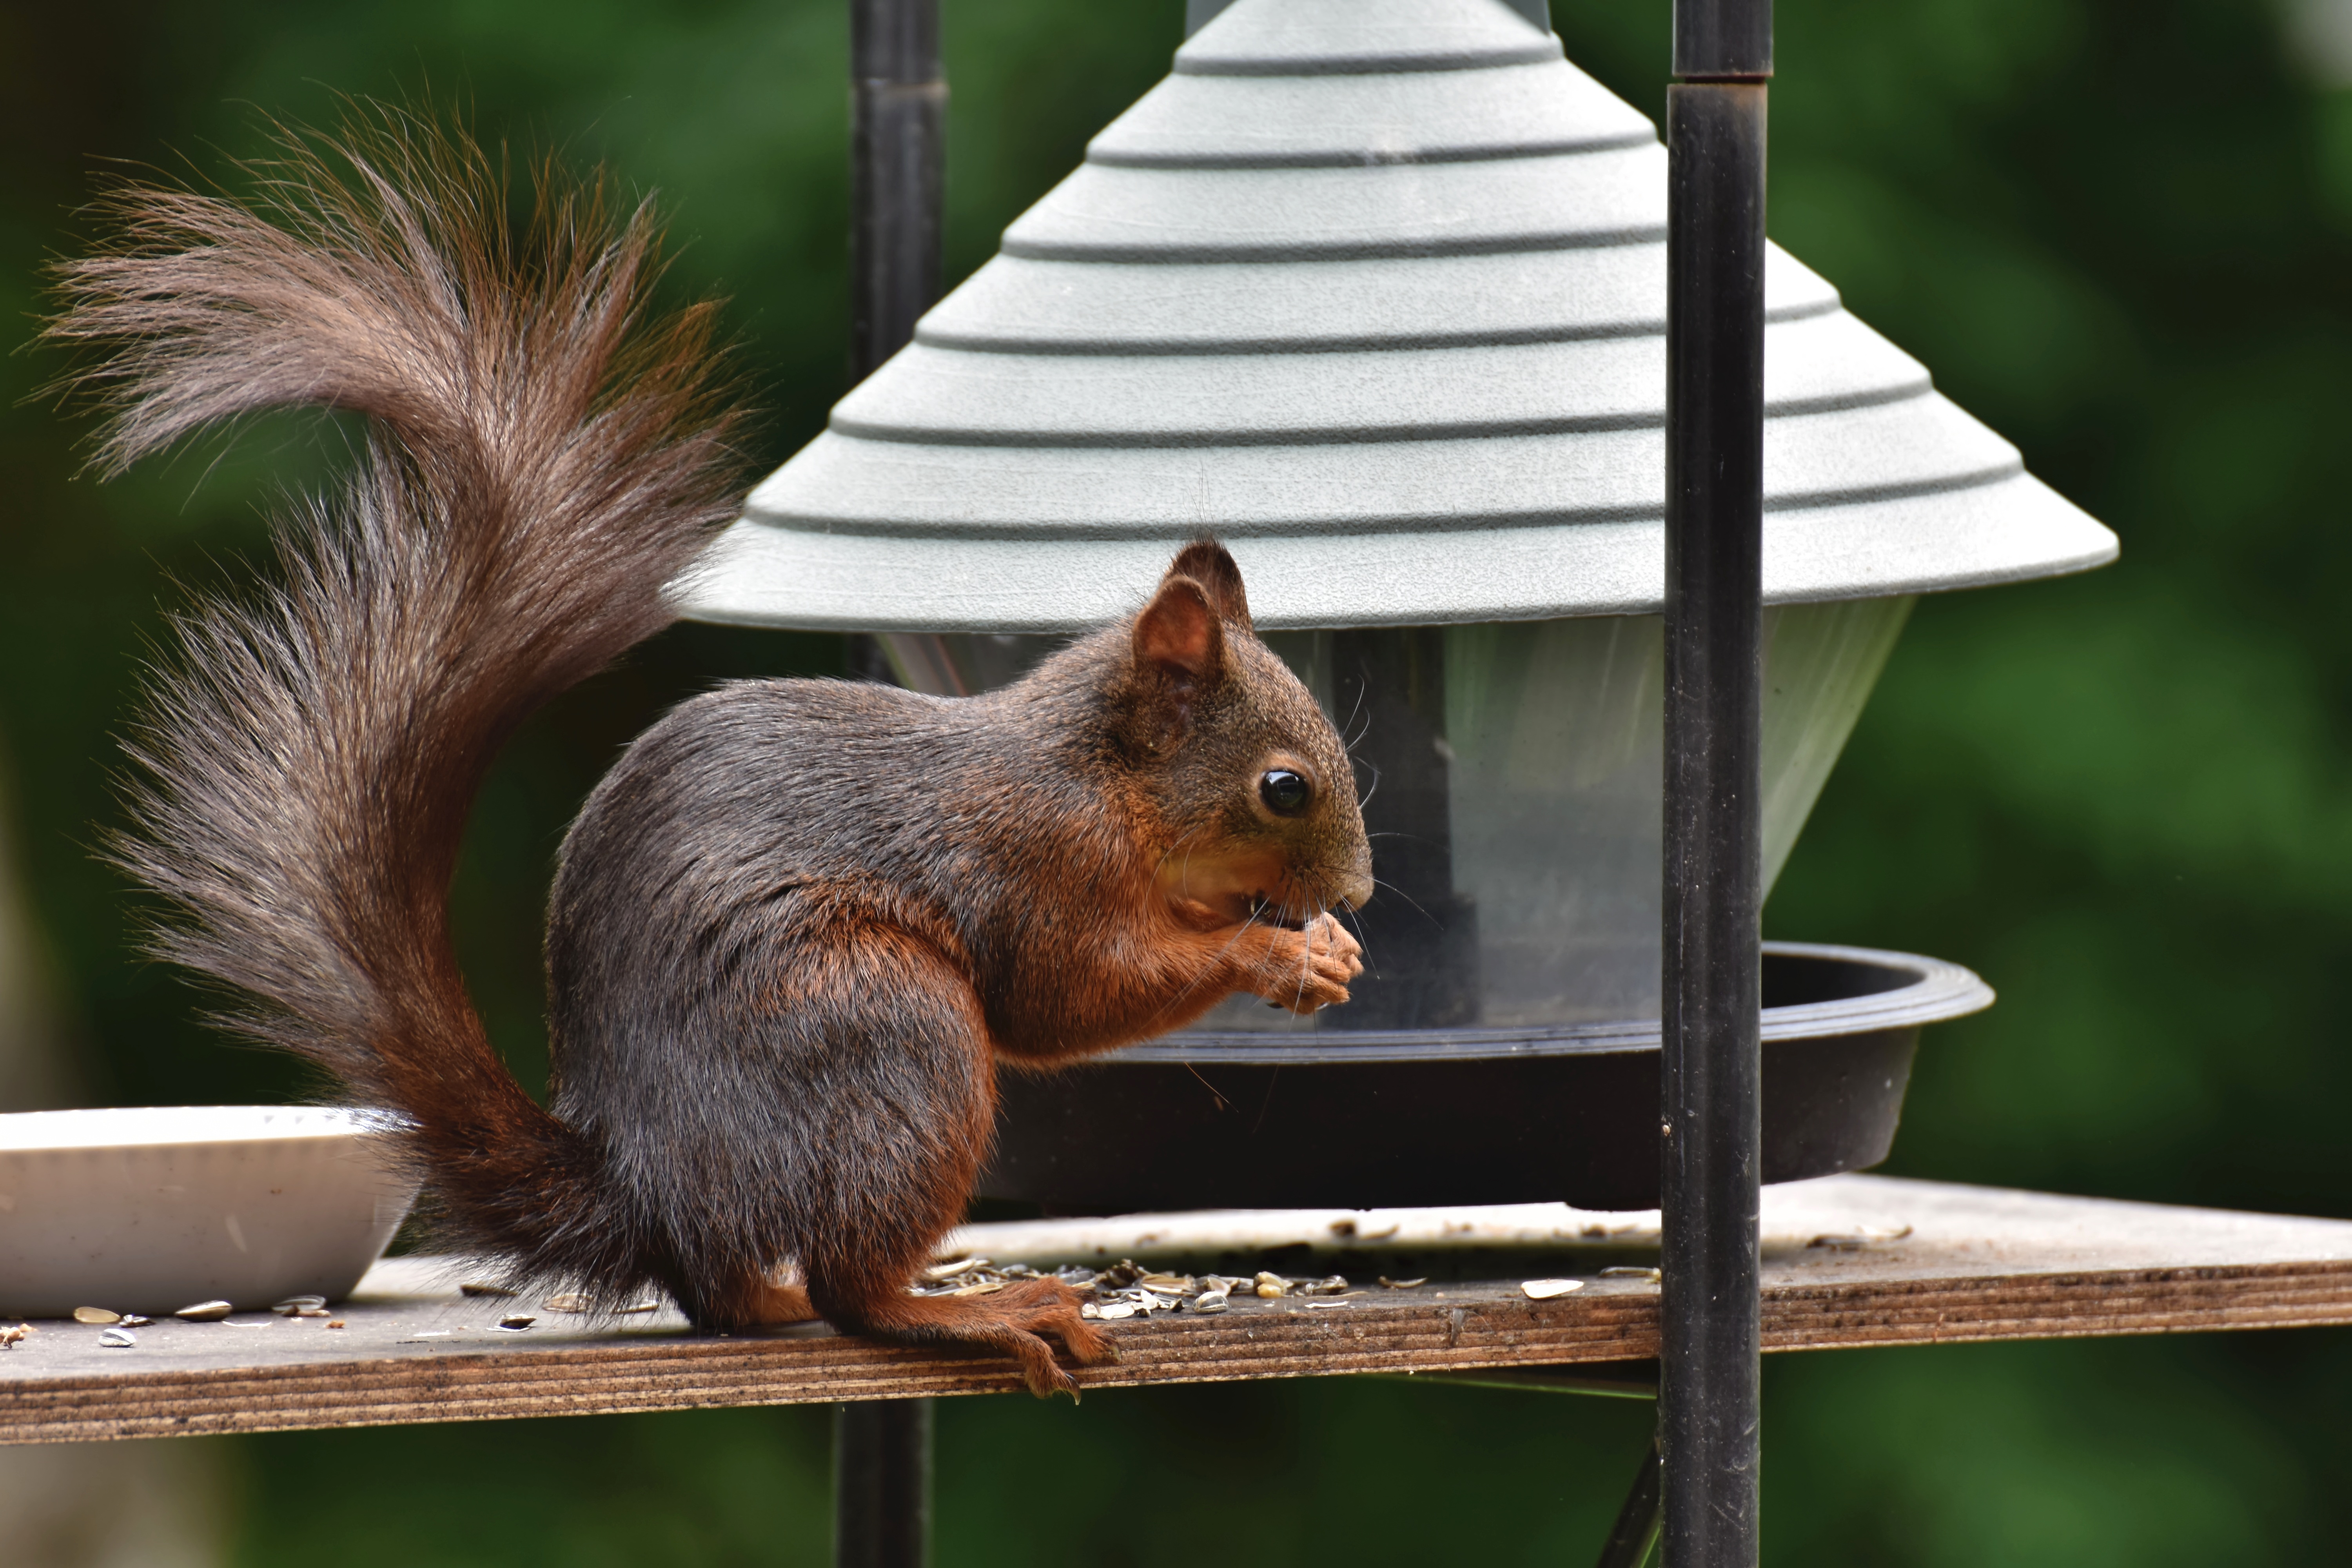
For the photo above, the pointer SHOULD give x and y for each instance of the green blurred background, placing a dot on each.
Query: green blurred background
(2120, 231)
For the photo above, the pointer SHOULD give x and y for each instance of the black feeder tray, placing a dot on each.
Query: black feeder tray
(1565, 1113)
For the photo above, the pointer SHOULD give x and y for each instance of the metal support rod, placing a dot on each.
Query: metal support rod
(898, 164)
(897, 198)
(882, 1484)
(1636, 1530)
(1712, 1066)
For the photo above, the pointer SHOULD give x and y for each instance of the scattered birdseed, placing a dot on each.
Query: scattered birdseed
(1624, 1271)
(11, 1338)
(334, 1322)
(1546, 1289)
(949, 1270)
(96, 1315)
(484, 1288)
(517, 1321)
(133, 1321)
(118, 1339)
(1271, 1287)
(1389, 1284)
(206, 1311)
(570, 1301)
(1860, 1238)
(1209, 1301)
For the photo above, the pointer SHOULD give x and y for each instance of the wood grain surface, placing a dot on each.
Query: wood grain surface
(1849, 1261)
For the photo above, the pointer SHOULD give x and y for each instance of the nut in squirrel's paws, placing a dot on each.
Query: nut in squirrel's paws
(1314, 965)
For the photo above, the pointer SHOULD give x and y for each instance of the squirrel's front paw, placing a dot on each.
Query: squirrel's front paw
(1314, 965)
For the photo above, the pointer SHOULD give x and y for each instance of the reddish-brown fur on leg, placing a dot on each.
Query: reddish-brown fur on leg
(1011, 1320)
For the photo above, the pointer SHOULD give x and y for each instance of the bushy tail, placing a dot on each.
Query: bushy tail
(542, 457)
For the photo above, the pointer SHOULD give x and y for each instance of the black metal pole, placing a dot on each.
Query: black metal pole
(898, 191)
(882, 1484)
(1709, 1367)
(1636, 1530)
(898, 163)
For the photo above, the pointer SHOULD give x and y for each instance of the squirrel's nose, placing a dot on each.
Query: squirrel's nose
(1355, 892)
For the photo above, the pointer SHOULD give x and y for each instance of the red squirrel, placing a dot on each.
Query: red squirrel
(799, 927)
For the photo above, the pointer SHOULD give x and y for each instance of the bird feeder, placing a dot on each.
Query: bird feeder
(1375, 291)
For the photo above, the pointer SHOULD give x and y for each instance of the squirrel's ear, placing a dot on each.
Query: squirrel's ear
(1178, 631)
(1205, 562)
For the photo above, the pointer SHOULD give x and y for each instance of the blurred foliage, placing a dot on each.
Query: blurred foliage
(2117, 232)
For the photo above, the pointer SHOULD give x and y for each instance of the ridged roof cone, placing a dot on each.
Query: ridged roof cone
(1375, 291)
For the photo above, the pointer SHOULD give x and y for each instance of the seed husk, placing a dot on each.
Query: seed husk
(637, 1307)
(118, 1339)
(570, 1301)
(300, 1306)
(517, 1321)
(206, 1311)
(1389, 1284)
(12, 1337)
(939, 1271)
(1211, 1301)
(484, 1288)
(1627, 1271)
(1548, 1290)
(133, 1321)
(96, 1315)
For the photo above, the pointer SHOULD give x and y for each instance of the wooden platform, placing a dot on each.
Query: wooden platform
(1849, 1261)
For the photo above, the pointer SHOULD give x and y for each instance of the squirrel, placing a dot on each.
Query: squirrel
(798, 928)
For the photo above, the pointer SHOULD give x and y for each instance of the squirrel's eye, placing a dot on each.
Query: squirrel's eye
(1285, 794)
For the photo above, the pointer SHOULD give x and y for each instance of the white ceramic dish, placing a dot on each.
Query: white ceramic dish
(153, 1209)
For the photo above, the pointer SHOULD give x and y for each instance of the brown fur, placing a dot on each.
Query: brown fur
(798, 926)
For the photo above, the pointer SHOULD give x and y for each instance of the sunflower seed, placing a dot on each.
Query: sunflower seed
(570, 1301)
(96, 1315)
(133, 1321)
(939, 1271)
(206, 1311)
(1860, 1238)
(1387, 1283)
(1546, 1289)
(637, 1307)
(118, 1339)
(1272, 1287)
(1209, 1301)
(1626, 1271)
(517, 1321)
